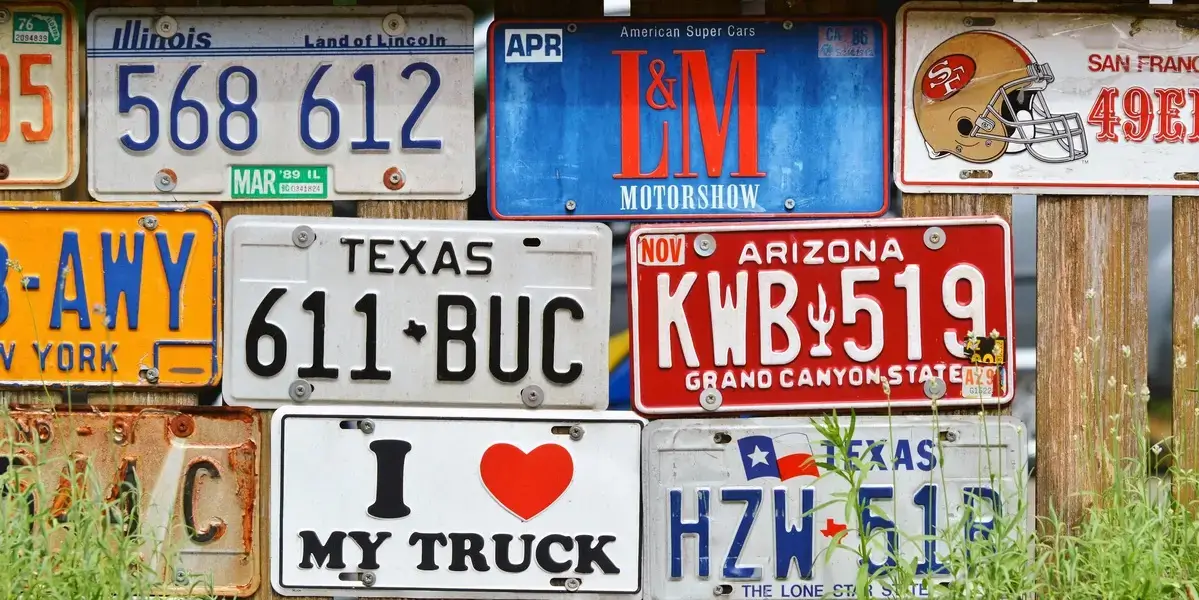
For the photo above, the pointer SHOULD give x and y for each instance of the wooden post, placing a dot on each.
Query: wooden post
(1184, 447)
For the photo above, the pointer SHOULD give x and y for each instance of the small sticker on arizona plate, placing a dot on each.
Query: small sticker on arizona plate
(843, 42)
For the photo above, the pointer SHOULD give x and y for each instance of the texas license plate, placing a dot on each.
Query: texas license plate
(39, 95)
(821, 314)
(416, 312)
(190, 471)
(429, 503)
(119, 295)
(748, 508)
(654, 119)
(294, 103)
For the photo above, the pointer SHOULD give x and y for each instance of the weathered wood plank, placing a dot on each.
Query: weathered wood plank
(1184, 446)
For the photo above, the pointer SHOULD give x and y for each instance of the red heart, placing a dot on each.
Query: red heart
(526, 484)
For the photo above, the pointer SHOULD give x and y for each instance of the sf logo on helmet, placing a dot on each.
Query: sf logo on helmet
(981, 96)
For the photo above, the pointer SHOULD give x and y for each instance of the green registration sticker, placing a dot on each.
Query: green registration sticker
(37, 28)
(280, 183)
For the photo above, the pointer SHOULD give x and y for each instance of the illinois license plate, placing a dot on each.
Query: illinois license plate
(39, 95)
(821, 314)
(190, 471)
(294, 103)
(748, 508)
(431, 313)
(994, 97)
(433, 504)
(656, 119)
(120, 295)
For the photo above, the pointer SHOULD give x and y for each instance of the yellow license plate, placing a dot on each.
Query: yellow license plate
(39, 95)
(124, 295)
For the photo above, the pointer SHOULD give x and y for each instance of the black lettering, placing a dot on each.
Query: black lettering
(503, 542)
(389, 479)
(545, 560)
(378, 255)
(522, 340)
(484, 259)
(548, 331)
(315, 304)
(330, 551)
(352, 244)
(589, 555)
(445, 335)
(428, 559)
(413, 259)
(367, 306)
(369, 549)
(215, 526)
(464, 546)
(447, 250)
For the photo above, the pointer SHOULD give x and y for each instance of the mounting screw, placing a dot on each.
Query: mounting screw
(303, 236)
(570, 205)
(572, 584)
(393, 24)
(165, 180)
(705, 244)
(951, 436)
(180, 576)
(576, 432)
(152, 375)
(149, 222)
(182, 425)
(571, 28)
(394, 179)
(710, 399)
(299, 390)
(934, 238)
(934, 389)
(787, 25)
(4, 172)
(166, 26)
(4, 15)
(723, 589)
(789, 204)
(532, 396)
(367, 426)
(118, 433)
(368, 579)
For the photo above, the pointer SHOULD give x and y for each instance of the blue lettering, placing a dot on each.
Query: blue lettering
(108, 357)
(66, 363)
(752, 497)
(42, 354)
(926, 498)
(4, 284)
(6, 354)
(871, 521)
(66, 356)
(174, 271)
(87, 356)
(514, 46)
(69, 263)
(975, 527)
(679, 528)
(876, 454)
(925, 450)
(793, 543)
(122, 276)
(903, 454)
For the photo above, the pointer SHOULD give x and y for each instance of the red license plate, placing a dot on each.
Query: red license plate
(821, 314)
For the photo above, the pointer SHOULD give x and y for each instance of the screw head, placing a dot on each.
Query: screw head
(180, 576)
(532, 396)
(934, 238)
(787, 25)
(934, 389)
(303, 236)
(367, 426)
(571, 28)
(393, 24)
(4, 15)
(4, 172)
(368, 579)
(705, 244)
(573, 584)
(570, 205)
(710, 399)
(789, 204)
(576, 432)
(165, 180)
(394, 179)
(166, 26)
(299, 390)
(951, 436)
(151, 375)
(149, 222)
(182, 425)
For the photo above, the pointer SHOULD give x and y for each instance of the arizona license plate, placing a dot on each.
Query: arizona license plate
(190, 471)
(821, 314)
(995, 97)
(293, 103)
(122, 295)
(434, 313)
(655, 119)
(433, 504)
(39, 95)
(749, 508)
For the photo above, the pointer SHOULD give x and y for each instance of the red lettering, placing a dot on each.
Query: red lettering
(1170, 102)
(1135, 114)
(1193, 94)
(660, 250)
(630, 121)
(1103, 115)
(1138, 107)
(1109, 63)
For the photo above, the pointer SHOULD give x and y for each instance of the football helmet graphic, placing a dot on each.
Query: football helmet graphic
(978, 95)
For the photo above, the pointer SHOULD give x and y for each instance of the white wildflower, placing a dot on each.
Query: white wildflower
(1157, 448)
(1126, 351)
(1144, 392)
(1195, 322)
(1077, 355)
(994, 333)
(1090, 293)
(886, 388)
(1180, 361)
(1111, 382)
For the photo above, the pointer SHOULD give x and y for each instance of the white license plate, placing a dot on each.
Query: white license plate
(418, 502)
(437, 313)
(736, 505)
(293, 103)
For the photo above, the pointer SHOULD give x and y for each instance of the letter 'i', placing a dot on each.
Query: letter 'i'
(389, 479)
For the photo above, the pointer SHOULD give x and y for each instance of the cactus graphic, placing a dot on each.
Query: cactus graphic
(821, 324)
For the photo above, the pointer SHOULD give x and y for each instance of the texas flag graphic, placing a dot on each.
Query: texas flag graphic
(760, 459)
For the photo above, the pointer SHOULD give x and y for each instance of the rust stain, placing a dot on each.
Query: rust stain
(182, 425)
(241, 459)
(83, 431)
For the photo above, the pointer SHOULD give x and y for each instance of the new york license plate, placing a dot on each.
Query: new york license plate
(121, 295)
(652, 119)
(39, 95)
(295, 103)
(419, 502)
(748, 508)
(821, 314)
(192, 472)
(437, 313)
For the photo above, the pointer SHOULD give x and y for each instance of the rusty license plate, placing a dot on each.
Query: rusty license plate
(194, 470)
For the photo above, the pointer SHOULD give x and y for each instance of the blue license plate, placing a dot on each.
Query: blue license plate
(652, 120)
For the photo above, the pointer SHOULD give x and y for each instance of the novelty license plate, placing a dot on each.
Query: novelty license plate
(748, 508)
(39, 95)
(820, 314)
(293, 103)
(123, 295)
(652, 119)
(1045, 98)
(193, 472)
(419, 502)
(433, 313)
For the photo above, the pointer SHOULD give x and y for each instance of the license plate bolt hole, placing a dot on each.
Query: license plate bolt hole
(574, 431)
(367, 579)
(364, 425)
(723, 589)
(532, 242)
(722, 438)
(572, 584)
(948, 436)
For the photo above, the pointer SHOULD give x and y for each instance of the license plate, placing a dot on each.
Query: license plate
(337, 310)
(821, 314)
(193, 470)
(749, 508)
(658, 120)
(39, 95)
(993, 98)
(119, 295)
(293, 103)
(543, 504)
